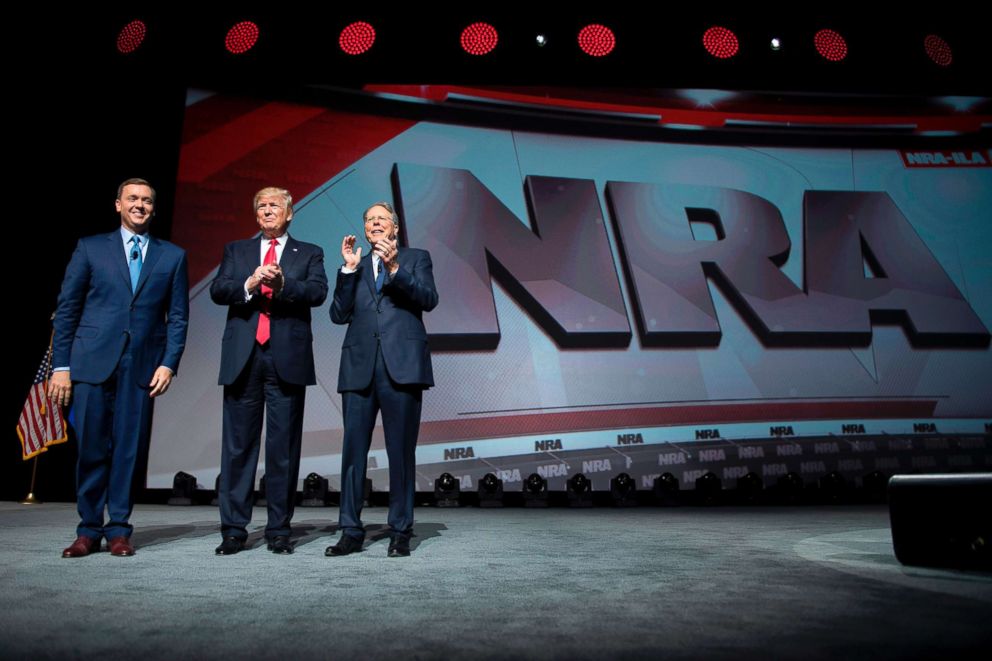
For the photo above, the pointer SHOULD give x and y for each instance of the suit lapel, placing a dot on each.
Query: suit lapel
(151, 257)
(118, 255)
(367, 276)
(290, 252)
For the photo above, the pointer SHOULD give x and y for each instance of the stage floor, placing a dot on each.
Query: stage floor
(804, 582)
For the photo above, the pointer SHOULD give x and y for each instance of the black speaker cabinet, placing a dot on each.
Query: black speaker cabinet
(942, 520)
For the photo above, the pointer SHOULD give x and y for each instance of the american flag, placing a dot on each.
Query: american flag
(40, 424)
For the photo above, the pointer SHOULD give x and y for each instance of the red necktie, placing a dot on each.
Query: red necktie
(262, 333)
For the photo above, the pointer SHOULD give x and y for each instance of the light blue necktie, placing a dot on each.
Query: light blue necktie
(134, 264)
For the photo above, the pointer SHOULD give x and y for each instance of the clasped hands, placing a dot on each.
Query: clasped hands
(269, 275)
(386, 249)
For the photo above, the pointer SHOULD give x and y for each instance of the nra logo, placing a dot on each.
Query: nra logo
(553, 470)
(712, 455)
(944, 159)
(629, 439)
(901, 444)
(459, 453)
(733, 472)
(790, 450)
(936, 444)
(887, 463)
(750, 452)
(769, 470)
(863, 446)
(850, 465)
(924, 428)
(828, 447)
(596, 466)
(781, 430)
(959, 460)
(670, 458)
(547, 445)
(852, 429)
(707, 434)
(923, 461)
(812, 467)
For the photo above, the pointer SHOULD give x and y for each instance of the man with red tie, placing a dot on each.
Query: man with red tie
(269, 284)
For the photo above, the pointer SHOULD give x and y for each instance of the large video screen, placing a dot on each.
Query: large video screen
(616, 304)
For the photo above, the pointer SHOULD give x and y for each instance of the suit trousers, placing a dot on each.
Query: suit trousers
(113, 423)
(400, 406)
(256, 391)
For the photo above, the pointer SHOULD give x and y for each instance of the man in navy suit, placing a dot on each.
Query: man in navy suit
(120, 330)
(269, 284)
(385, 366)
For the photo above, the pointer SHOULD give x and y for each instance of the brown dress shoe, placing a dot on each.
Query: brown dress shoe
(121, 546)
(83, 546)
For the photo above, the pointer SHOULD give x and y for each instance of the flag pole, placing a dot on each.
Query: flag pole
(31, 499)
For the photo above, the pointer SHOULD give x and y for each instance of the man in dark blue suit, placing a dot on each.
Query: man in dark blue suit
(385, 366)
(269, 284)
(120, 330)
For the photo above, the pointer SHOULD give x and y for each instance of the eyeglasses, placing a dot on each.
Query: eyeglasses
(381, 219)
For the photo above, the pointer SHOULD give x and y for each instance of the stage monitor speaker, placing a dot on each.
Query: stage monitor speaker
(942, 520)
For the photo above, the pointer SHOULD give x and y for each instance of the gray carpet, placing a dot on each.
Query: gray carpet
(811, 583)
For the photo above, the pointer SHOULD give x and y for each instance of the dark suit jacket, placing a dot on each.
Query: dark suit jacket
(291, 339)
(394, 322)
(97, 312)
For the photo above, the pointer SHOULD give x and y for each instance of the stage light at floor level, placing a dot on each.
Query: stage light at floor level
(490, 491)
(183, 489)
(708, 488)
(789, 488)
(131, 36)
(776, 43)
(720, 42)
(241, 38)
(831, 45)
(535, 491)
(749, 487)
(623, 490)
(314, 491)
(938, 50)
(875, 485)
(541, 40)
(579, 490)
(447, 491)
(357, 38)
(597, 40)
(833, 487)
(479, 38)
(666, 489)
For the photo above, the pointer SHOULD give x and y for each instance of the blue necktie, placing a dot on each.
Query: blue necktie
(134, 264)
(379, 278)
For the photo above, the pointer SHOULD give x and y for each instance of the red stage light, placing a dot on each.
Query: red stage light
(597, 40)
(831, 45)
(938, 50)
(357, 38)
(131, 36)
(479, 38)
(241, 37)
(720, 42)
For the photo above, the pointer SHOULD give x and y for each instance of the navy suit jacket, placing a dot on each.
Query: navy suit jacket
(393, 321)
(97, 314)
(291, 338)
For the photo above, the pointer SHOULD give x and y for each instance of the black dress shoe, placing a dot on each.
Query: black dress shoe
(347, 544)
(280, 545)
(399, 548)
(230, 546)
